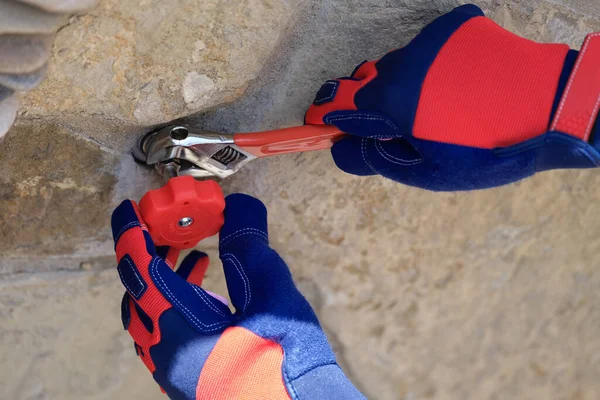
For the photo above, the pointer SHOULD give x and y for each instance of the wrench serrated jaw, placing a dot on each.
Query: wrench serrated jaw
(197, 153)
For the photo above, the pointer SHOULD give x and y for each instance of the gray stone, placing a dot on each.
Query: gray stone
(22, 54)
(24, 82)
(19, 18)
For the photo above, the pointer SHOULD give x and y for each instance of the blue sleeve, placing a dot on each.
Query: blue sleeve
(326, 382)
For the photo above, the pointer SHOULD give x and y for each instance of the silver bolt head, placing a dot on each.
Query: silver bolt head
(185, 222)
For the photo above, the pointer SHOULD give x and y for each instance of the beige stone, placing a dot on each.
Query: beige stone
(129, 60)
(74, 349)
(486, 295)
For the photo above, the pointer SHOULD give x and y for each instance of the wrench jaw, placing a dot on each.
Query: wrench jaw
(178, 150)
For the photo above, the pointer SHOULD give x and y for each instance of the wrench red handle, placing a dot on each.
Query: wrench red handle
(289, 140)
(183, 212)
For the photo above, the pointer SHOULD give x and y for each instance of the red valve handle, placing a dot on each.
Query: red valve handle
(183, 212)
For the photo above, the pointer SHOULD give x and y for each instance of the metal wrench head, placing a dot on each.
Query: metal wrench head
(178, 150)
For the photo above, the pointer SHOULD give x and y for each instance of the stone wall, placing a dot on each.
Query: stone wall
(486, 295)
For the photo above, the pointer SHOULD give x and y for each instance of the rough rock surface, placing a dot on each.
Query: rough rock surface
(486, 295)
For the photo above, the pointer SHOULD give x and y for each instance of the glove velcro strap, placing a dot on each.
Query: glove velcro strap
(580, 103)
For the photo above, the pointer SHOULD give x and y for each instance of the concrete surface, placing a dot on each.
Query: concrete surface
(487, 295)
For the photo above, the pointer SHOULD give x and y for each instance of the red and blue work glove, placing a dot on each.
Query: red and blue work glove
(466, 105)
(272, 347)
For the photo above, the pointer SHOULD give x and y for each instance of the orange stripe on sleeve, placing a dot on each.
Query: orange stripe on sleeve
(243, 366)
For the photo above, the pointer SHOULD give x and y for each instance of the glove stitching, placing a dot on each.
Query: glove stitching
(363, 151)
(207, 301)
(126, 227)
(331, 95)
(137, 296)
(393, 159)
(245, 279)
(229, 237)
(290, 384)
(245, 231)
(383, 137)
(365, 117)
(194, 319)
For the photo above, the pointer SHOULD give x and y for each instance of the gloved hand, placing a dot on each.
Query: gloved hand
(272, 347)
(27, 30)
(466, 105)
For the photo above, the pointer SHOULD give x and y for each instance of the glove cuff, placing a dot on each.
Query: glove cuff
(578, 108)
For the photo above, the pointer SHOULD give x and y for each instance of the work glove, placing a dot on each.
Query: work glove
(466, 105)
(27, 30)
(272, 347)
